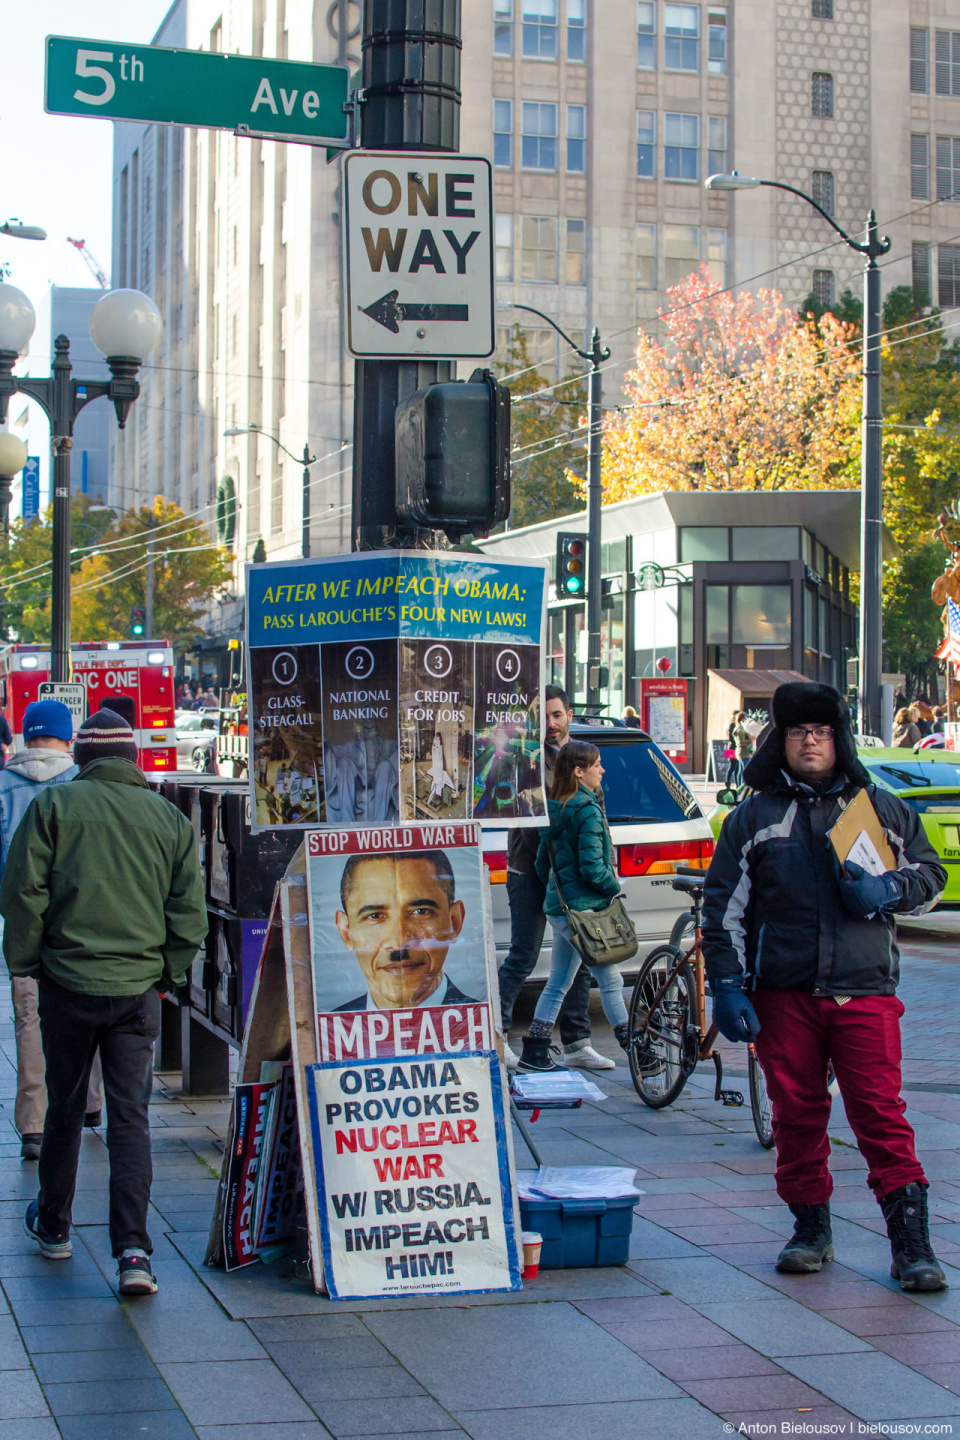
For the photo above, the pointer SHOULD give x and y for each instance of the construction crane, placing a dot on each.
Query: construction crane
(91, 260)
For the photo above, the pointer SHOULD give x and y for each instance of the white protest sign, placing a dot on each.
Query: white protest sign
(419, 254)
(413, 1176)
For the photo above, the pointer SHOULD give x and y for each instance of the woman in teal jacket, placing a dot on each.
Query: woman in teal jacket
(583, 857)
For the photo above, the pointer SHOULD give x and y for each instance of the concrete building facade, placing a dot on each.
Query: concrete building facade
(603, 118)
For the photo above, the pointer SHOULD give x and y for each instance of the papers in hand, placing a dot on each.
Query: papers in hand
(863, 852)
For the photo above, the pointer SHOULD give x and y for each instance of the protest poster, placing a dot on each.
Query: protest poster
(436, 729)
(413, 1176)
(282, 1173)
(250, 1116)
(395, 686)
(397, 919)
(287, 764)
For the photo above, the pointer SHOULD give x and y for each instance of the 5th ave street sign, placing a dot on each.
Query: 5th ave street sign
(114, 81)
(419, 255)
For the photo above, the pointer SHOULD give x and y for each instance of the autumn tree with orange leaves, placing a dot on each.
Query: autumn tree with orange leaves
(739, 395)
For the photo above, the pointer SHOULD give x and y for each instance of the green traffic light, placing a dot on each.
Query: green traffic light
(573, 584)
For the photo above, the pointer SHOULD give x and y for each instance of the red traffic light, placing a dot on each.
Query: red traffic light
(574, 547)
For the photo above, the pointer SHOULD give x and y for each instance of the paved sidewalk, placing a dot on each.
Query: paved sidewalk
(697, 1333)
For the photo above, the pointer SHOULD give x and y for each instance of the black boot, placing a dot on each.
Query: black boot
(914, 1263)
(812, 1241)
(536, 1056)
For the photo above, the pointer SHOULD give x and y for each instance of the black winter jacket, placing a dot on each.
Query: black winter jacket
(772, 908)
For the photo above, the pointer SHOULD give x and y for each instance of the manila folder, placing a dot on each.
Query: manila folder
(859, 829)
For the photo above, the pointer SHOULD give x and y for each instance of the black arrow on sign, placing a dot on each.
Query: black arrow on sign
(388, 311)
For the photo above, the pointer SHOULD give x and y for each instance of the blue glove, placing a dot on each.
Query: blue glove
(863, 894)
(733, 1014)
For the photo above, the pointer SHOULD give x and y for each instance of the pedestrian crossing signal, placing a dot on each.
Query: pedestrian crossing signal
(571, 565)
(138, 621)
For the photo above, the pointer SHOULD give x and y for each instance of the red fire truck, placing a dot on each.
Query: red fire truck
(141, 670)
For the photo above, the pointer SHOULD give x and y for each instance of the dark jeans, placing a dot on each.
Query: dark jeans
(526, 895)
(123, 1027)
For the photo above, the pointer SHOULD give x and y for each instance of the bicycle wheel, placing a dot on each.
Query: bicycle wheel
(760, 1104)
(659, 1058)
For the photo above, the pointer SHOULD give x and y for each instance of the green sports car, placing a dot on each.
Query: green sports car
(929, 782)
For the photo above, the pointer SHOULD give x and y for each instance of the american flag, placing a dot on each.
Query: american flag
(950, 649)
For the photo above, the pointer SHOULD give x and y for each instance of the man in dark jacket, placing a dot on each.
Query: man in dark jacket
(815, 945)
(525, 896)
(103, 904)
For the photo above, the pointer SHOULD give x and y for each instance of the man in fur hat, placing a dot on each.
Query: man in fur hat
(814, 943)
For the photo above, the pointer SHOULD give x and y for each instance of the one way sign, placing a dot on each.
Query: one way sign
(419, 255)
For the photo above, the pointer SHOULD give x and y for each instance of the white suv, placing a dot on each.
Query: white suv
(655, 824)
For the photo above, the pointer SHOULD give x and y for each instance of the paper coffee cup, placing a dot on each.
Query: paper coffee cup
(531, 1253)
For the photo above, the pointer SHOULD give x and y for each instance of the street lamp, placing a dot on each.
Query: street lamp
(871, 455)
(306, 459)
(13, 457)
(18, 231)
(596, 355)
(125, 326)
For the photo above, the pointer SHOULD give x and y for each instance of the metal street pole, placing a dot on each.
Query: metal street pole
(594, 519)
(305, 542)
(148, 603)
(871, 479)
(411, 101)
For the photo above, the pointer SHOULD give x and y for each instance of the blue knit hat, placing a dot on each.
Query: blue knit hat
(47, 717)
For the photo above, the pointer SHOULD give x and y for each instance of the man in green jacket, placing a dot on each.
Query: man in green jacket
(103, 904)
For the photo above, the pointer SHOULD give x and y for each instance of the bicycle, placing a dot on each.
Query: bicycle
(666, 1017)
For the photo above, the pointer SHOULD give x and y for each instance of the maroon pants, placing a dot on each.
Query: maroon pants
(800, 1033)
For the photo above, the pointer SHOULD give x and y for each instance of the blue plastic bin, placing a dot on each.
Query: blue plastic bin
(578, 1234)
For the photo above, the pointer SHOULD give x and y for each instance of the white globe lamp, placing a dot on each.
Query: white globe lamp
(126, 323)
(17, 319)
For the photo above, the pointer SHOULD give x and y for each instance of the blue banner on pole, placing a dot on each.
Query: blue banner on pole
(30, 483)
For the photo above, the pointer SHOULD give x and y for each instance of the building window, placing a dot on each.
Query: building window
(948, 167)
(921, 272)
(681, 252)
(539, 136)
(717, 255)
(947, 55)
(706, 542)
(716, 41)
(765, 542)
(646, 35)
(504, 247)
(717, 145)
(821, 9)
(503, 27)
(540, 29)
(919, 61)
(824, 287)
(646, 257)
(760, 615)
(542, 349)
(822, 189)
(920, 167)
(538, 248)
(576, 139)
(681, 32)
(503, 133)
(577, 30)
(717, 611)
(681, 147)
(646, 143)
(948, 276)
(576, 252)
(822, 96)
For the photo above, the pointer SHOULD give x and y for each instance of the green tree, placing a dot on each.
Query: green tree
(549, 459)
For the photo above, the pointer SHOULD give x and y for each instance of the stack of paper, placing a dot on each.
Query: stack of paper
(577, 1182)
(564, 1086)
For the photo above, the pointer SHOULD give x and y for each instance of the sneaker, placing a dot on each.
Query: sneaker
(30, 1147)
(136, 1276)
(584, 1057)
(510, 1057)
(54, 1246)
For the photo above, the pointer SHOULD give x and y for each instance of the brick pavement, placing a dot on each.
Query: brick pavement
(697, 1332)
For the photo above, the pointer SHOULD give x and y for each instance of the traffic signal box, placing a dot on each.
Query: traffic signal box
(571, 565)
(453, 456)
(138, 621)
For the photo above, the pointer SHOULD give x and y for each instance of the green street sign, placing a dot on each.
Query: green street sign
(284, 99)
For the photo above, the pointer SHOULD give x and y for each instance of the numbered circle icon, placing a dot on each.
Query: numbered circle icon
(438, 662)
(508, 666)
(359, 663)
(285, 668)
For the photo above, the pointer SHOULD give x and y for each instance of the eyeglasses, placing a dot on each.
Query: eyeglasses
(800, 732)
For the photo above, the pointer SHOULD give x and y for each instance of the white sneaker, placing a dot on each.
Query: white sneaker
(510, 1057)
(586, 1058)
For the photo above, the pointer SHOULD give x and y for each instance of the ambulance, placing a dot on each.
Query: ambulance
(140, 670)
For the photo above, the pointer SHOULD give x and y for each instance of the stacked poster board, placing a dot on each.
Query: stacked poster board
(400, 716)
